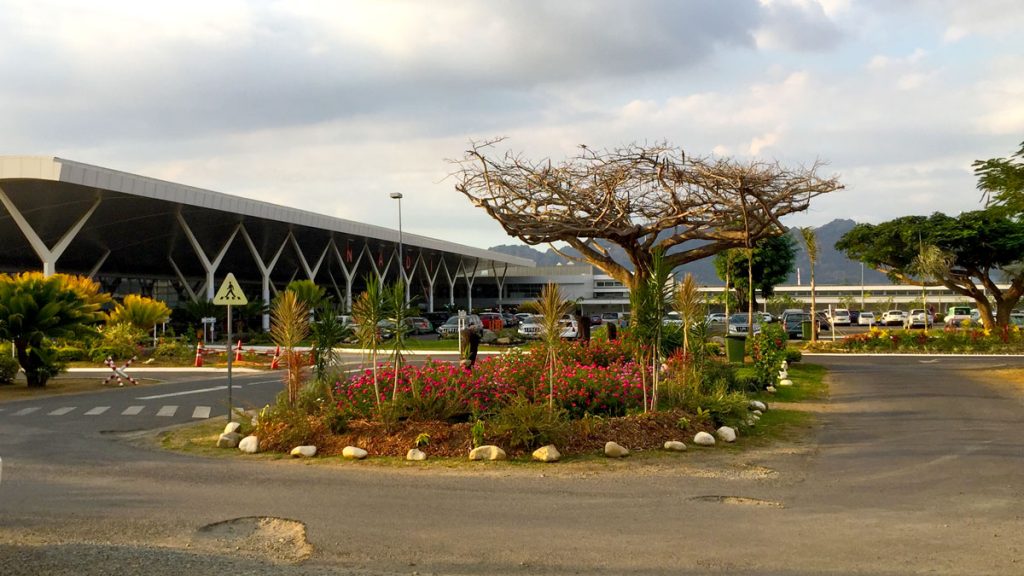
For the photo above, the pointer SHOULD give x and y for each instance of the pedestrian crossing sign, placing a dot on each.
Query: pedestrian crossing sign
(230, 293)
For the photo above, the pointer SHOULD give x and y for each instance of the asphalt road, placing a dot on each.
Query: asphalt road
(916, 468)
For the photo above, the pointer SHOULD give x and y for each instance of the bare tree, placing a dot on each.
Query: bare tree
(641, 198)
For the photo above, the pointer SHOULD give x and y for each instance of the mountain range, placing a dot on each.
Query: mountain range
(832, 267)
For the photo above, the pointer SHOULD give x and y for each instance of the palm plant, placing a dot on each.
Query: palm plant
(327, 332)
(687, 304)
(309, 294)
(811, 243)
(398, 312)
(552, 306)
(34, 309)
(139, 311)
(650, 300)
(289, 326)
(367, 312)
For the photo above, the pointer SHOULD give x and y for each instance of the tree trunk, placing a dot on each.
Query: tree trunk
(31, 363)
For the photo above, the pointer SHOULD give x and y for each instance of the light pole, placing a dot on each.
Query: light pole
(862, 286)
(401, 262)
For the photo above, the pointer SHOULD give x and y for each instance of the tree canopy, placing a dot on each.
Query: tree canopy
(629, 196)
(1001, 181)
(773, 260)
(979, 249)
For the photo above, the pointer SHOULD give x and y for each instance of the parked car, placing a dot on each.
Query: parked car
(738, 325)
(523, 316)
(788, 311)
(854, 316)
(492, 321)
(866, 319)
(510, 319)
(570, 327)
(957, 314)
(717, 318)
(917, 318)
(1016, 318)
(619, 318)
(893, 318)
(436, 318)
(672, 319)
(840, 317)
(794, 323)
(530, 326)
(419, 325)
(766, 317)
(450, 329)
(595, 319)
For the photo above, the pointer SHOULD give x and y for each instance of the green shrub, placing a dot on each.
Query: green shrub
(477, 432)
(528, 425)
(768, 349)
(8, 369)
(119, 341)
(173, 350)
(793, 355)
(70, 354)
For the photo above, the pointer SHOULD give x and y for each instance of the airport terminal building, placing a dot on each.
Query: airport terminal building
(173, 242)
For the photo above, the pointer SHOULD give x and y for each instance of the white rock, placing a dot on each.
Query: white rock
(228, 440)
(704, 439)
(547, 454)
(416, 455)
(755, 417)
(613, 450)
(757, 413)
(354, 453)
(783, 374)
(232, 427)
(675, 446)
(770, 389)
(786, 382)
(785, 365)
(250, 444)
(758, 405)
(751, 422)
(304, 451)
(726, 434)
(487, 453)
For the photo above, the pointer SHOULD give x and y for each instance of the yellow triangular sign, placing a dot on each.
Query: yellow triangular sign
(230, 293)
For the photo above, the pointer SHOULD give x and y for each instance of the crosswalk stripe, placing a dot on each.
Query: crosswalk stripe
(132, 410)
(167, 411)
(62, 411)
(97, 411)
(201, 412)
(25, 411)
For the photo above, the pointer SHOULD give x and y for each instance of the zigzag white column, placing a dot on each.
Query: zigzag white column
(209, 266)
(265, 270)
(47, 255)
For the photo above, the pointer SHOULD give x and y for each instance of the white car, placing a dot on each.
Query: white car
(716, 318)
(840, 317)
(957, 314)
(892, 317)
(766, 317)
(530, 326)
(866, 319)
(918, 318)
(672, 319)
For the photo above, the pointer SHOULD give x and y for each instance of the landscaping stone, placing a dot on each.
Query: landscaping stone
(783, 374)
(613, 450)
(757, 413)
(304, 451)
(250, 444)
(675, 446)
(416, 455)
(232, 427)
(503, 341)
(704, 439)
(229, 440)
(487, 453)
(751, 422)
(785, 382)
(758, 405)
(770, 389)
(726, 434)
(547, 454)
(354, 453)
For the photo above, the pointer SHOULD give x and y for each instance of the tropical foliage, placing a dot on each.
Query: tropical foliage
(139, 311)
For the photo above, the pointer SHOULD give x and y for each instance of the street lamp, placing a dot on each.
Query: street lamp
(401, 262)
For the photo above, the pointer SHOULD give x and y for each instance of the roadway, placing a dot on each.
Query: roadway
(916, 467)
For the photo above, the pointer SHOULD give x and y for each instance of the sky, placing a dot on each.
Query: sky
(332, 106)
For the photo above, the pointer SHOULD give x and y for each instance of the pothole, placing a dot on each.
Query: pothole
(278, 540)
(739, 500)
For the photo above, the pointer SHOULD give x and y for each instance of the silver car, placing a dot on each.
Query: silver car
(738, 325)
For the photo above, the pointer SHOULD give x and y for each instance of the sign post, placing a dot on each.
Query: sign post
(229, 293)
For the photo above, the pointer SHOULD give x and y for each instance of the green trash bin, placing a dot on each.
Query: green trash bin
(805, 329)
(734, 348)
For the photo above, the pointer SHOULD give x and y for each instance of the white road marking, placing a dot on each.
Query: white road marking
(201, 412)
(187, 392)
(167, 411)
(62, 411)
(97, 411)
(25, 411)
(132, 410)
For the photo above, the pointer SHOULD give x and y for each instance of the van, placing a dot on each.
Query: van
(957, 314)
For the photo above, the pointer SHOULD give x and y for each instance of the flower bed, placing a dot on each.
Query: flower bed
(971, 340)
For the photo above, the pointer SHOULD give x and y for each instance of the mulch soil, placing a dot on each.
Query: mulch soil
(636, 432)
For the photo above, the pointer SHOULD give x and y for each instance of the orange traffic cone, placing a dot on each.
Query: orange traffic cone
(275, 362)
(238, 352)
(199, 355)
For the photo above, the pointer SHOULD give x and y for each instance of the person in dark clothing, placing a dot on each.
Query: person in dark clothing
(613, 330)
(584, 324)
(473, 340)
